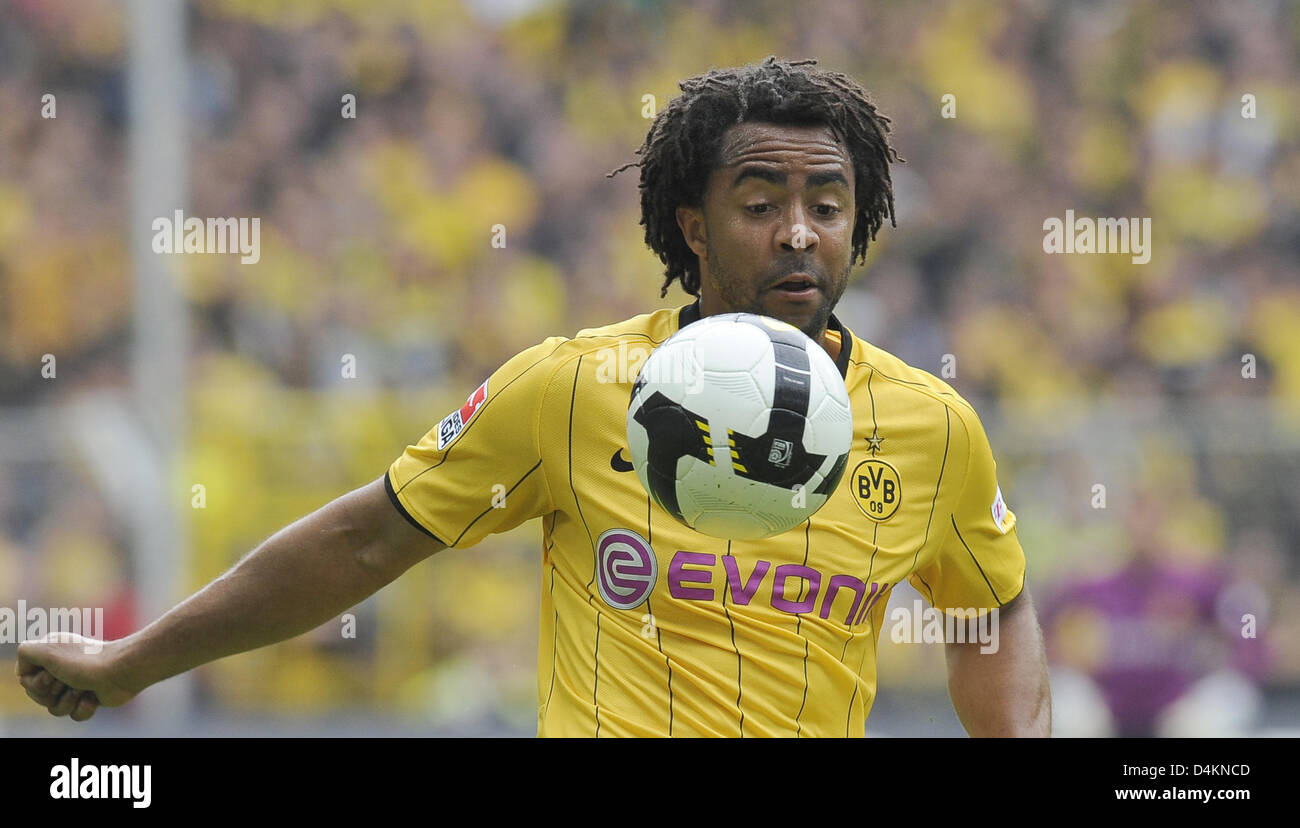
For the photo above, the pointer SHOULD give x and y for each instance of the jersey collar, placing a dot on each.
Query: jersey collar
(691, 313)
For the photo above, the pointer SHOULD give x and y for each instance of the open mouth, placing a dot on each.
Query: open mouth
(796, 285)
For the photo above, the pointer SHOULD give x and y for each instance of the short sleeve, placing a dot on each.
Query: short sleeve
(980, 564)
(479, 470)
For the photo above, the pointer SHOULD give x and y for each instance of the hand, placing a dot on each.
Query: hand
(71, 675)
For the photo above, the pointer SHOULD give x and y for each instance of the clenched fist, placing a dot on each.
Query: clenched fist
(71, 675)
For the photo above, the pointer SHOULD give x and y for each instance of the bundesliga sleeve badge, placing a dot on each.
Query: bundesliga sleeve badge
(1000, 512)
(454, 423)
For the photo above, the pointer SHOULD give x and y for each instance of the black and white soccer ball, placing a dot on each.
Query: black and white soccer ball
(739, 426)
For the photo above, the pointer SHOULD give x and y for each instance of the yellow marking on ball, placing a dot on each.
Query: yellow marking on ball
(777, 324)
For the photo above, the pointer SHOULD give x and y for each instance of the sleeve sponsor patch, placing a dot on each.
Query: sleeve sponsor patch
(454, 423)
(1000, 512)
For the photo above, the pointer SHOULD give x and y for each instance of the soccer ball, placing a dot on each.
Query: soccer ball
(739, 426)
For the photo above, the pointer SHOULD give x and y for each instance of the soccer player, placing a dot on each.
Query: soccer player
(760, 187)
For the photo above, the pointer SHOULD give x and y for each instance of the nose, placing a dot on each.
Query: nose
(795, 232)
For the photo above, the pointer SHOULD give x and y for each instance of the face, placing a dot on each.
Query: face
(774, 235)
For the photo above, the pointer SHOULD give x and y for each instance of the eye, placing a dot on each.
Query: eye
(827, 210)
(758, 209)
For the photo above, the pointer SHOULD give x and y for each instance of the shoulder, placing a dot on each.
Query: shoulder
(924, 400)
(549, 356)
(650, 328)
(880, 366)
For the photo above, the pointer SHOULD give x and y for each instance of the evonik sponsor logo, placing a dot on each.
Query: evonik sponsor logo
(691, 578)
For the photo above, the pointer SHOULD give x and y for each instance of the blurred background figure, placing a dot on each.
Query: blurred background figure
(1164, 646)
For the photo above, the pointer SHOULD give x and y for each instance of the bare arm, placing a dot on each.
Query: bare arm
(1003, 693)
(304, 575)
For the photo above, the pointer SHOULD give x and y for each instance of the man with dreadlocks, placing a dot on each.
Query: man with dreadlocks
(760, 187)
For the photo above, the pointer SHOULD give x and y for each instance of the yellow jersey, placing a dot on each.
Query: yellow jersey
(649, 628)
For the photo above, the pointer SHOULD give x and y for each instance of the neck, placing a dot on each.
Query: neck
(709, 305)
(830, 345)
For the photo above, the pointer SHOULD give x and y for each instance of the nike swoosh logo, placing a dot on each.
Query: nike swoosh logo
(617, 463)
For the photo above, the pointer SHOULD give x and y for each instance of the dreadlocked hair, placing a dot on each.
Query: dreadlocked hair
(683, 147)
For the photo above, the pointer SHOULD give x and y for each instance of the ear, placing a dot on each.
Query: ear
(691, 221)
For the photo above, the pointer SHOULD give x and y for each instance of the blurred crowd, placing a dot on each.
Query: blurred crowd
(1174, 385)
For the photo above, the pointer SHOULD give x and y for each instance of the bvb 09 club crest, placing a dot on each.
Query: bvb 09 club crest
(876, 489)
